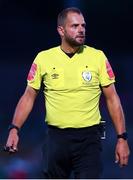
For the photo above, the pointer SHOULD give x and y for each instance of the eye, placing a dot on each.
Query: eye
(84, 25)
(75, 25)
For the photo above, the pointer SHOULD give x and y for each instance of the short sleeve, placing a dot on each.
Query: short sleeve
(34, 76)
(106, 74)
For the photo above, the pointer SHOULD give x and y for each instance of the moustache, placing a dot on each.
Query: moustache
(80, 36)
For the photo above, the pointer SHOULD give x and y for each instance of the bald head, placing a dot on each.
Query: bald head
(63, 15)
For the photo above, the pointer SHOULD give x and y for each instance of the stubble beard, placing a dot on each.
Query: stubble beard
(72, 41)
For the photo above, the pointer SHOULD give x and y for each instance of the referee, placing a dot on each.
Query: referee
(74, 76)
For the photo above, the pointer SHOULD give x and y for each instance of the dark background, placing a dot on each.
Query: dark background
(29, 26)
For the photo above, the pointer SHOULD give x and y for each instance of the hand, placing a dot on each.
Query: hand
(122, 152)
(12, 142)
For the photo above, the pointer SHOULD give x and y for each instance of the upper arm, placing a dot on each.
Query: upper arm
(30, 93)
(109, 91)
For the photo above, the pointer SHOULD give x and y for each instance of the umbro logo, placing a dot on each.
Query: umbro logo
(55, 76)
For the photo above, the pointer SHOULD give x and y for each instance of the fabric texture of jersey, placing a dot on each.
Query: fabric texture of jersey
(71, 85)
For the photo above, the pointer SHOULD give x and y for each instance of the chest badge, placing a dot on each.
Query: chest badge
(86, 76)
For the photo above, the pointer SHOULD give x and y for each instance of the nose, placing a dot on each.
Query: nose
(81, 28)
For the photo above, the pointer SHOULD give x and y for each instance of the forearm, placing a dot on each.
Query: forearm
(22, 111)
(116, 113)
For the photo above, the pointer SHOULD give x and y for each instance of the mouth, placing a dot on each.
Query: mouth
(81, 37)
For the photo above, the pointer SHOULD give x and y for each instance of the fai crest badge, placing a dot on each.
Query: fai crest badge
(86, 76)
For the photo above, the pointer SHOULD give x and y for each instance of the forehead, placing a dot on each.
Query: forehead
(74, 18)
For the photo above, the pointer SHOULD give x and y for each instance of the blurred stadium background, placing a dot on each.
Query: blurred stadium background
(29, 26)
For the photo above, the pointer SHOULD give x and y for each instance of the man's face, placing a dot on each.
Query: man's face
(74, 29)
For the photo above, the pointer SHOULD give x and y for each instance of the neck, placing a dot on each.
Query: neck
(69, 49)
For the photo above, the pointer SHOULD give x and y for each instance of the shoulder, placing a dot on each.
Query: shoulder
(48, 51)
(92, 50)
(46, 55)
(96, 55)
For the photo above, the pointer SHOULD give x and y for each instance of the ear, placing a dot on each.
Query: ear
(60, 30)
